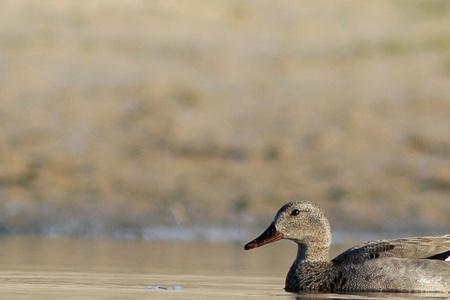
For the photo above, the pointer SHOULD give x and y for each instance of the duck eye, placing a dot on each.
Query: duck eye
(295, 212)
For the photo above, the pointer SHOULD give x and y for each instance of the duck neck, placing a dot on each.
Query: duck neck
(312, 252)
(315, 246)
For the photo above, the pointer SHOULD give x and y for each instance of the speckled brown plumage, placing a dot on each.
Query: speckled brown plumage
(401, 265)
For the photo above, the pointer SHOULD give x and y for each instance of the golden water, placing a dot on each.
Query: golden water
(32, 268)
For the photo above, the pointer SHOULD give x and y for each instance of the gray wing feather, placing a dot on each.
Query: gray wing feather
(413, 248)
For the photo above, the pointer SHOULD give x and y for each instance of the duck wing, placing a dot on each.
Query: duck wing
(427, 247)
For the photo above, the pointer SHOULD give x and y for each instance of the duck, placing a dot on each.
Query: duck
(406, 265)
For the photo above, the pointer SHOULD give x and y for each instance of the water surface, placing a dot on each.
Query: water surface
(36, 268)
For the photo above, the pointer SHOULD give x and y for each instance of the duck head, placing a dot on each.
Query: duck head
(299, 221)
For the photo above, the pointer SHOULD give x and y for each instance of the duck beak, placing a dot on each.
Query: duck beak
(270, 235)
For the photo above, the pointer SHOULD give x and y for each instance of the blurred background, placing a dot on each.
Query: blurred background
(199, 119)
